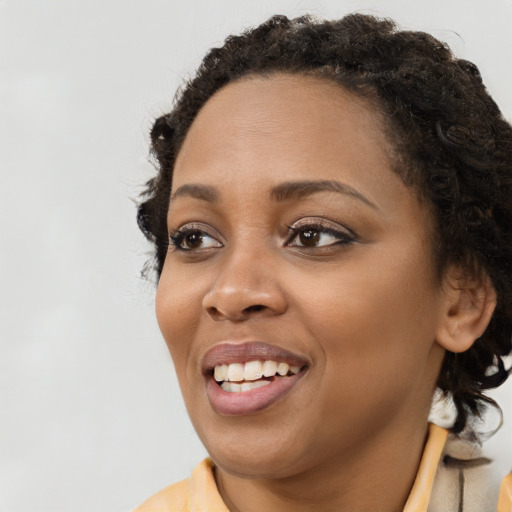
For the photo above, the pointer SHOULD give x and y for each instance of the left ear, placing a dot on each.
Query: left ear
(467, 310)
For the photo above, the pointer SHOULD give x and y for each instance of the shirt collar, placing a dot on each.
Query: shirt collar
(422, 488)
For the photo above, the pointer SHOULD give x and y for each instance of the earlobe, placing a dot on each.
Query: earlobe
(467, 311)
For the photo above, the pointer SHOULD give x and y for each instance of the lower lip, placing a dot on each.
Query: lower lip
(249, 402)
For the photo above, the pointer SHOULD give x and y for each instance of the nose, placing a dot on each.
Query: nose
(246, 286)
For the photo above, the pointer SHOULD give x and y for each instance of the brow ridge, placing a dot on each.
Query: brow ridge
(197, 191)
(290, 190)
(300, 189)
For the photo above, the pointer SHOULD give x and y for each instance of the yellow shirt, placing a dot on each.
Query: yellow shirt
(199, 492)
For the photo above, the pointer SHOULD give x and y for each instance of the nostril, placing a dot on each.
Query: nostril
(224, 301)
(214, 313)
(244, 314)
(254, 309)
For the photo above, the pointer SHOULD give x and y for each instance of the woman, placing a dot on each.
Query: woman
(333, 234)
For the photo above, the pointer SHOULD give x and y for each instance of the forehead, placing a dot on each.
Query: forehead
(283, 120)
(259, 134)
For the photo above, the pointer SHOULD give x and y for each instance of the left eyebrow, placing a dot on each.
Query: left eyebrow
(301, 189)
(197, 191)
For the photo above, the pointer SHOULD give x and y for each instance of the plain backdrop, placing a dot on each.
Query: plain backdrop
(91, 417)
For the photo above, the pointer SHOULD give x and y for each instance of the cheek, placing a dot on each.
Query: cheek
(178, 308)
(374, 317)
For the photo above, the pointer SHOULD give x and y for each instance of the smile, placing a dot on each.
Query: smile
(239, 378)
(249, 377)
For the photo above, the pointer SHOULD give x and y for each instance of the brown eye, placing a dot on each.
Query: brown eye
(309, 237)
(313, 236)
(192, 240)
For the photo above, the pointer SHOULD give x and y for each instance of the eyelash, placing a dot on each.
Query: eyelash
(343, 237)
(177, 238)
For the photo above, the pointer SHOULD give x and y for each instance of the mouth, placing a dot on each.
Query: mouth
(249, 377)
(243, 377)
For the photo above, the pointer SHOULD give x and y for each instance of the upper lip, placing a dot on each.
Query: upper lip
(232, 352)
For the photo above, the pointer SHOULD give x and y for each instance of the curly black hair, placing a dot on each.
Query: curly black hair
(453, 147)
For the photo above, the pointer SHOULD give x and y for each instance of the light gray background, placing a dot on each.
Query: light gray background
(91, 415)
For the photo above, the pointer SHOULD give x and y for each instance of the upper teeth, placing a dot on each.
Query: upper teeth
(252, 370)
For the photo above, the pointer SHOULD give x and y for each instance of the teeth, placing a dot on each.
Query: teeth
(269, 368)
(282, 368)
(231, 387)
(247, 386)
(253, 370)
(235, 372)
(220, 373)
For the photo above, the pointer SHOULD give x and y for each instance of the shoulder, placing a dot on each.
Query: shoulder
(465, 479)
(173, 498)
(505, 499)
(197, 493)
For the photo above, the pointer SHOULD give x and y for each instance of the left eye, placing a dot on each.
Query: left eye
(190, 239)
(317, 236)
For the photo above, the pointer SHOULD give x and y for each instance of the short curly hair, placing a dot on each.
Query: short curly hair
(453, 147)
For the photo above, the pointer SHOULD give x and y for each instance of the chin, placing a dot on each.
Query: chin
(255, 463)
(256, 447)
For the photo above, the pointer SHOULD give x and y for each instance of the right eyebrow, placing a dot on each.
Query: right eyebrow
(300, 189)
(197, 191)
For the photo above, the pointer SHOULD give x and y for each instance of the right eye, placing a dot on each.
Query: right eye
(192, 239)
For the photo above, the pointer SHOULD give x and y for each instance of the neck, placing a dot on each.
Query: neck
(378, 477)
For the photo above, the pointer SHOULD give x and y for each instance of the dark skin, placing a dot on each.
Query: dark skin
(341, 275)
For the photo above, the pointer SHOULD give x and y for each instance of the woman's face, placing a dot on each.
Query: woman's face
(294, 243)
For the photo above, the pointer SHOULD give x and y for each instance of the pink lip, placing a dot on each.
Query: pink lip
(230, 352)
(255, 400)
